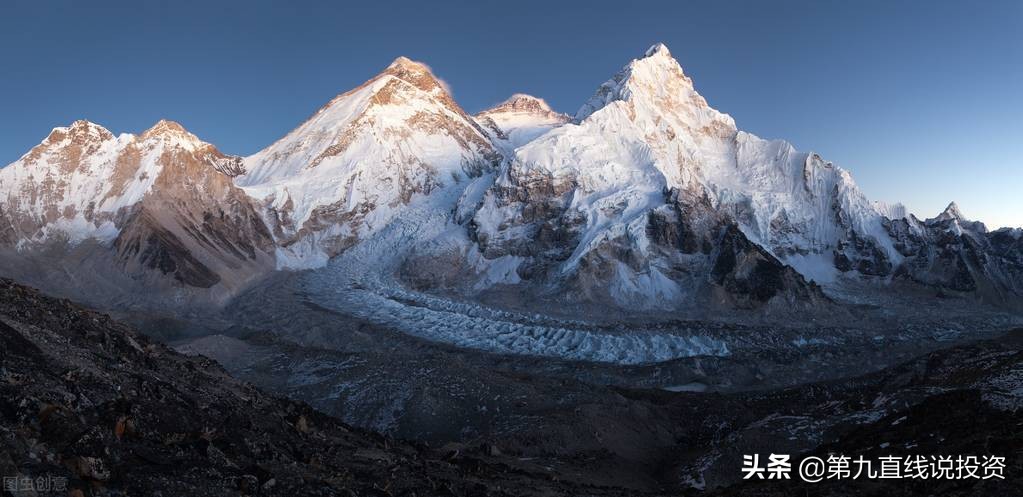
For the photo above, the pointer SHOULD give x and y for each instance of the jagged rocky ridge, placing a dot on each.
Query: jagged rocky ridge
(648, 199)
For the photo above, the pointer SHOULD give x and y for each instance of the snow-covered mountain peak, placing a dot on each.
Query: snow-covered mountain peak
(953, 220)
(655, 85)
(67, 147)
(416, 73)
(86, 127)
(684, 138)
(172, 133)
(349, 168)
(405, 64)
(80, 132)
(404, 95)
(646, 152)
(952, 212)
(520, 102)
(83, 182)
(521, 118)
(658, 49)
(165, 126)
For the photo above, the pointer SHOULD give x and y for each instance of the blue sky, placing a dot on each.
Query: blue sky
(922, 101)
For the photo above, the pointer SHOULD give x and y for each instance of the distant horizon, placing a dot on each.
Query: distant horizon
(921, 105)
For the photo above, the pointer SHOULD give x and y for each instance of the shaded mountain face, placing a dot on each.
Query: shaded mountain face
(158, 207)
(342, 174)
(957, 255)
(197, 226)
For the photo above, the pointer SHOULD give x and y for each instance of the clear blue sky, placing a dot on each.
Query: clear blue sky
(922, 101)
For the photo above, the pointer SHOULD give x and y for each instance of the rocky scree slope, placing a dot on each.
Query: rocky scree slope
(85, 398)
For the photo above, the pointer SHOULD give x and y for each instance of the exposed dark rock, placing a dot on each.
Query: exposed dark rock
(752, 275)
(960, 256)
(157, 248)
(83, 397)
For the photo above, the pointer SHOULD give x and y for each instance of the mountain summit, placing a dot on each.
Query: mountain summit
(520, 102)
(340, 175)
(951, 212)
(520, 119)
(653, 191)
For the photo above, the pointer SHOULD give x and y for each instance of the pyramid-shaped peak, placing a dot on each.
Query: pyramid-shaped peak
(525, 100)
(165, 126)
(521, 102)
(955, 217)
(952, 212)
(416, 73)
(168, 130)
(657, 49)
(658, 82)
(407, 64)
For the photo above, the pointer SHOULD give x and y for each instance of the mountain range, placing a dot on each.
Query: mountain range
(646, 200)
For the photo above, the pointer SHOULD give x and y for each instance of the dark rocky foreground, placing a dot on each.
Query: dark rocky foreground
(85, 398)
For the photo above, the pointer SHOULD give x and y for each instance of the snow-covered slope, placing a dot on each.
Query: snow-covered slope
(73, 184)
(341, 174)
(159, 204)
(648, 199)
(649, 168)
(520, 119)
